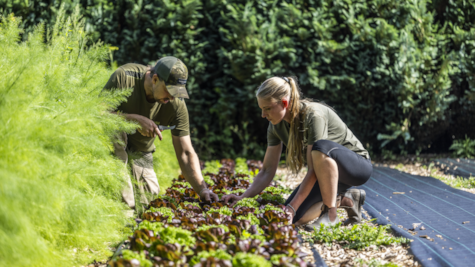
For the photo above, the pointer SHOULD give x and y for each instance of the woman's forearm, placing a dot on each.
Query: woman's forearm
(261, 181)
(304, 190)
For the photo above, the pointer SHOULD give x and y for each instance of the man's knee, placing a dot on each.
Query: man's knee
(150, 178)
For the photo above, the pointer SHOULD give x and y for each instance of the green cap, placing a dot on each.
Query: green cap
(174, 72)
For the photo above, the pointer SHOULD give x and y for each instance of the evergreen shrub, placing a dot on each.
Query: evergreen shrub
(60, 202)
(399, 73)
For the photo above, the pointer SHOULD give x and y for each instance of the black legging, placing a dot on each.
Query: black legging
(353, 170)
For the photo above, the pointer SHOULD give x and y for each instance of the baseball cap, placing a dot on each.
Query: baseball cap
(174, 72)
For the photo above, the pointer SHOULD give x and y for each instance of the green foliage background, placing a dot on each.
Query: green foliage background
(400, 73)
(60, 202)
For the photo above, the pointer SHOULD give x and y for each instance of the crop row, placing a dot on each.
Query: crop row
(179, 229)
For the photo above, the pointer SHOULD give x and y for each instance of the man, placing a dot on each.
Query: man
(157, 98)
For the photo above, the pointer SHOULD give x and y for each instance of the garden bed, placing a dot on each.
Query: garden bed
(178, 229)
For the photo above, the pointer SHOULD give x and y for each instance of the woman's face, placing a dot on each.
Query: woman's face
(274, 111)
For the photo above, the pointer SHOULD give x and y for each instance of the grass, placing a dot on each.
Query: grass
(455, 182)
(165, 162)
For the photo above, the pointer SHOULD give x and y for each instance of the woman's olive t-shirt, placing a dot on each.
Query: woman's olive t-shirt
(319, 122)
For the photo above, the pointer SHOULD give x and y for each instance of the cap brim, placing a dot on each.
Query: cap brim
(177, 91)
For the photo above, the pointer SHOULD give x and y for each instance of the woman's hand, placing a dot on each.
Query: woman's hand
(291, 212)
(208, 195)
(231, 198)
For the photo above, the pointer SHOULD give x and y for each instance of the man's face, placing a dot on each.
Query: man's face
(159, 91)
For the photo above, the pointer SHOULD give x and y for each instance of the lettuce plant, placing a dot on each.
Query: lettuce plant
(249, 260)
(217, 254)
(247, 202)
(140, 257)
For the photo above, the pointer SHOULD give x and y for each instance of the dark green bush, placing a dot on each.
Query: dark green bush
(400, 73)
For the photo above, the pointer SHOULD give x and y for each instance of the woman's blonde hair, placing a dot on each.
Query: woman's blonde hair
(276, 88)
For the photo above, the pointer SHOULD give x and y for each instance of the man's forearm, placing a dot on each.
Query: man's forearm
(190, 167)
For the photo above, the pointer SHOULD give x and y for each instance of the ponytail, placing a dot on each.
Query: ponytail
(294, 155)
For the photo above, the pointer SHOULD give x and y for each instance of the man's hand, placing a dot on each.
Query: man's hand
(208, 196)
(232, 199)
(147, 128)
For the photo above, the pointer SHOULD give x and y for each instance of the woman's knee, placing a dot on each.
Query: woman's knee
(320, 159)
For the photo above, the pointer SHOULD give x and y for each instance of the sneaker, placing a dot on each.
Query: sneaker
(324, 219)
(352, 201)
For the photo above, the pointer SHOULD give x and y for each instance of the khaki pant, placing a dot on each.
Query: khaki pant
(142, 169)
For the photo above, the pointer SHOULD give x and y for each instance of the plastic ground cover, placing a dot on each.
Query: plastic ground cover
(457, 167)
(447, 214)
(319, 261)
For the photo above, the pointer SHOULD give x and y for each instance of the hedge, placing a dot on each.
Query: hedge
(399, 73)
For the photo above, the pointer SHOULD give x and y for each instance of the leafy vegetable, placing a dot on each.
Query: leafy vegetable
(140, 257)
(207, 227)
(218, 254)
(247, 202)
(223, 210)
(166, 212)
(277, 190)
(177, 235)
(249, 260)
(156, 227)
(250, 217)
(208, 180)
(269, 207)
(212, 166)
(271, 198)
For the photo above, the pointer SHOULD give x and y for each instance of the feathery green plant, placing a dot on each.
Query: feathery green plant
(60, 184)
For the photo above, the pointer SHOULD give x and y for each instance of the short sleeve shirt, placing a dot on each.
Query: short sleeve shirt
(319, 123)
(173, 113)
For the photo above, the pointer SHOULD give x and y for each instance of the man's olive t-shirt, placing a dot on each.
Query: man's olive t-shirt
(319, 122)
(173, 113)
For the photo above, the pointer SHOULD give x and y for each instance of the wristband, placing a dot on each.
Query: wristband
(290, 206)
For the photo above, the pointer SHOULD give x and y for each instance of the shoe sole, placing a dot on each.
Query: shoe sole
(362, 197)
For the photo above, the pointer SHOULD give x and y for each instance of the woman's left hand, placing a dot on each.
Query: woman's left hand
(232, 199)
(290, 211)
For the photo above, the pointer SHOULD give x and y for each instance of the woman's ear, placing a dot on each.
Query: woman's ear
(285, 103)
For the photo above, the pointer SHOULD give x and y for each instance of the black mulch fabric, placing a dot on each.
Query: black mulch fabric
(457, 167)
(447, 214)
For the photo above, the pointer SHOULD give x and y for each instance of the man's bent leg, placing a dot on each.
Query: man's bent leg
(121, 153)
(146, 178)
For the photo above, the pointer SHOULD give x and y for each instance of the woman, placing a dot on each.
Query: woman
(312, 133)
